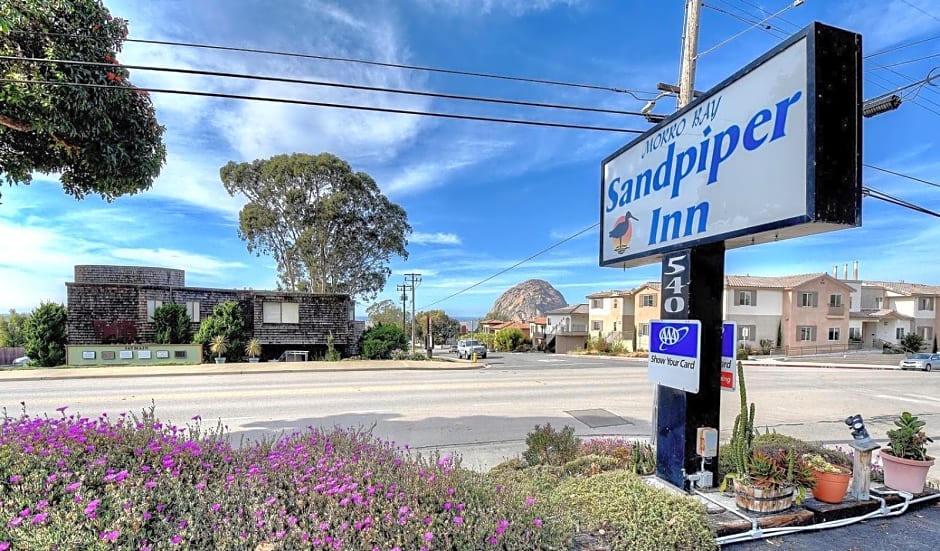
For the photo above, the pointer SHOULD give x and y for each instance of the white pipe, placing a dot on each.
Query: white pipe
(883, 511)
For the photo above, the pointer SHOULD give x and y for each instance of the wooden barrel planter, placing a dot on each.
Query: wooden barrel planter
(762, 500)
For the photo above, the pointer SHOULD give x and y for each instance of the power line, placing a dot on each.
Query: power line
(875, 194)
(902, 46)
(634, 93)
(762, 10)
(514, 266)
(921, 10)
(201, 72)
(758, 24)
(909, 177)
(915, 60)
(746, 19)
(337, 106)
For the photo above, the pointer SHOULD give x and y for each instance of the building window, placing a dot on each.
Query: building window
(899, 333)
(809, 299)
(926, 332)
(648, 300)
(835, 301)
(279, 312)
(597, 325)
(925, 303)
(615, 303)
(834, 333)
(806, 333)
(746, 298)
(644, 329)
(597, 303)
(747, 332)
(855, 334)
(878, 302)
(151, 306)
(192, 310)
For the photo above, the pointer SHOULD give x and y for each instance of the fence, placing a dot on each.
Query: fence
(815, 349)
(8, 354)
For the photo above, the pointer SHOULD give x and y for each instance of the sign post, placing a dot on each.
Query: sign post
(773, 152)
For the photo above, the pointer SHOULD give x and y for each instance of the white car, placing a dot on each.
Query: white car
(922, 361)
(467, 347)
(21, 361)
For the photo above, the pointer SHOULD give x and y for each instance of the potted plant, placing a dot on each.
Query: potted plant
(766, 479)
(832, 480)
(253, 350)
(905, 461)
(219, 346)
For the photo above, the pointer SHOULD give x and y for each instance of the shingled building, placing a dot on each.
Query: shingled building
(115, 304)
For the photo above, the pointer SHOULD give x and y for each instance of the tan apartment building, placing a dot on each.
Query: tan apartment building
(646, 308)
(611, 316)
(885, 311)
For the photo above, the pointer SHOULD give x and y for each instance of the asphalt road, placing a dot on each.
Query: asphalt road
(485, 414)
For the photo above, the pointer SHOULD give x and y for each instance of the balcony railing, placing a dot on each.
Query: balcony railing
(836, 310)
(568, 329)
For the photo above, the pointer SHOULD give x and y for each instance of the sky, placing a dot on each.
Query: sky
(480, 196)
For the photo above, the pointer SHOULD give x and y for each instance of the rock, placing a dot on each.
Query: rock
(528, 300)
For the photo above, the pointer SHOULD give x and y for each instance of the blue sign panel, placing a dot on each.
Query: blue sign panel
(729, 330)
(675, 347)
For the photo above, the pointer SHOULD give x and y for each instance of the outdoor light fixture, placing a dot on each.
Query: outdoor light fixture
(878, 106)
(861, 461)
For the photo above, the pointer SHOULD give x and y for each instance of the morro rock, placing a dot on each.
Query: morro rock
(528, 300)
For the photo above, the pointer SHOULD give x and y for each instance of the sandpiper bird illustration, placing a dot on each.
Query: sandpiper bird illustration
(623, 232)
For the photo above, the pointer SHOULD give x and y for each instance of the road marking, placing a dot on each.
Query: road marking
(902, 399)
(931, 398)
(310, 391)
(552, 361)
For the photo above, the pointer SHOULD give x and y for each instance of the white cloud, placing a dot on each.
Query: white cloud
(190, 262)
(884, 23)
(511, 7)
(438, 238)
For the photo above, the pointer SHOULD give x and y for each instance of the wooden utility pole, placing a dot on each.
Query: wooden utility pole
(693, 9)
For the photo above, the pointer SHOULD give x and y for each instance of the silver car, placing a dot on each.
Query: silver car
(466, 348)
(922, 361)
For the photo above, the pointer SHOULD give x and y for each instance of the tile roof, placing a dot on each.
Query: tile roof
(616, 293)
(903, 288)
(570, 309)
(878, 314)
(541, 320)
(778, 282)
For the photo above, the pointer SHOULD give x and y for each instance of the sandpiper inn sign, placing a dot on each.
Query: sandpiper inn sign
(742, 164)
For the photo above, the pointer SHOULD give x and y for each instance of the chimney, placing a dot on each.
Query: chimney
(855, 270)
(845, 271)
(835, 271)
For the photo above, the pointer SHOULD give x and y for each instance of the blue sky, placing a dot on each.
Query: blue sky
(480, 196)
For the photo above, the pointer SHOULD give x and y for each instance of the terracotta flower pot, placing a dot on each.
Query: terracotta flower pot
(907, 475)
(762, 500)
(831, 487)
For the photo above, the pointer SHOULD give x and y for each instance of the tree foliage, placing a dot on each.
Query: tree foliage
(507, 340)
(227, 320)
(443, 327)
(46, 335)
(330, 230)
(172, 324)
(495, 315)
(379, 342)
(912, 342)
(13, 329)
(101, 140)
(384, 312)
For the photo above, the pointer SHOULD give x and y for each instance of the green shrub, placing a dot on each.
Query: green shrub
(590, 465)
(633, 514)
(546, 446)
(381, 341)
(743, 353)
(771, 441)
(46, 335)
(507, 340)
(172, 324)
(226, 320)
(635, 456)
(332, 355)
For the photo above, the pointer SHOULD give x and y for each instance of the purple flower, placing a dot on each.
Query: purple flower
(176, 540)
(492, 540)
(216, 506)
(111, 536)
(529, 501)
(537, 521)
(15, 521)
(38, 519)
(4, 545)
(15, 478)
(92, 507)
(427, 521)
(458, 520)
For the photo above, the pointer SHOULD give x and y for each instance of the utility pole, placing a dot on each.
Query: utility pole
(404, 303)
(412, 281)
(693, 9)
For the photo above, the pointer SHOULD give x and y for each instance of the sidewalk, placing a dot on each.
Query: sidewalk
(234, 368)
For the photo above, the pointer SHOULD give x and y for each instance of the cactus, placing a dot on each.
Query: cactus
(742, 437)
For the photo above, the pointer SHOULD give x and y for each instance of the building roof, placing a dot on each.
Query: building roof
(570, 309)
(615, 293)
(779, 282)
(878, 315)
(654, 285)
(541, 320)
(906, 289)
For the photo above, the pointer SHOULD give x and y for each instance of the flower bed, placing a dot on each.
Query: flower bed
(137, 483)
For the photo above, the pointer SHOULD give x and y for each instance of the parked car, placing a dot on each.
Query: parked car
(21, 361)
(453, 348)
(922, 361)
(467, 347)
